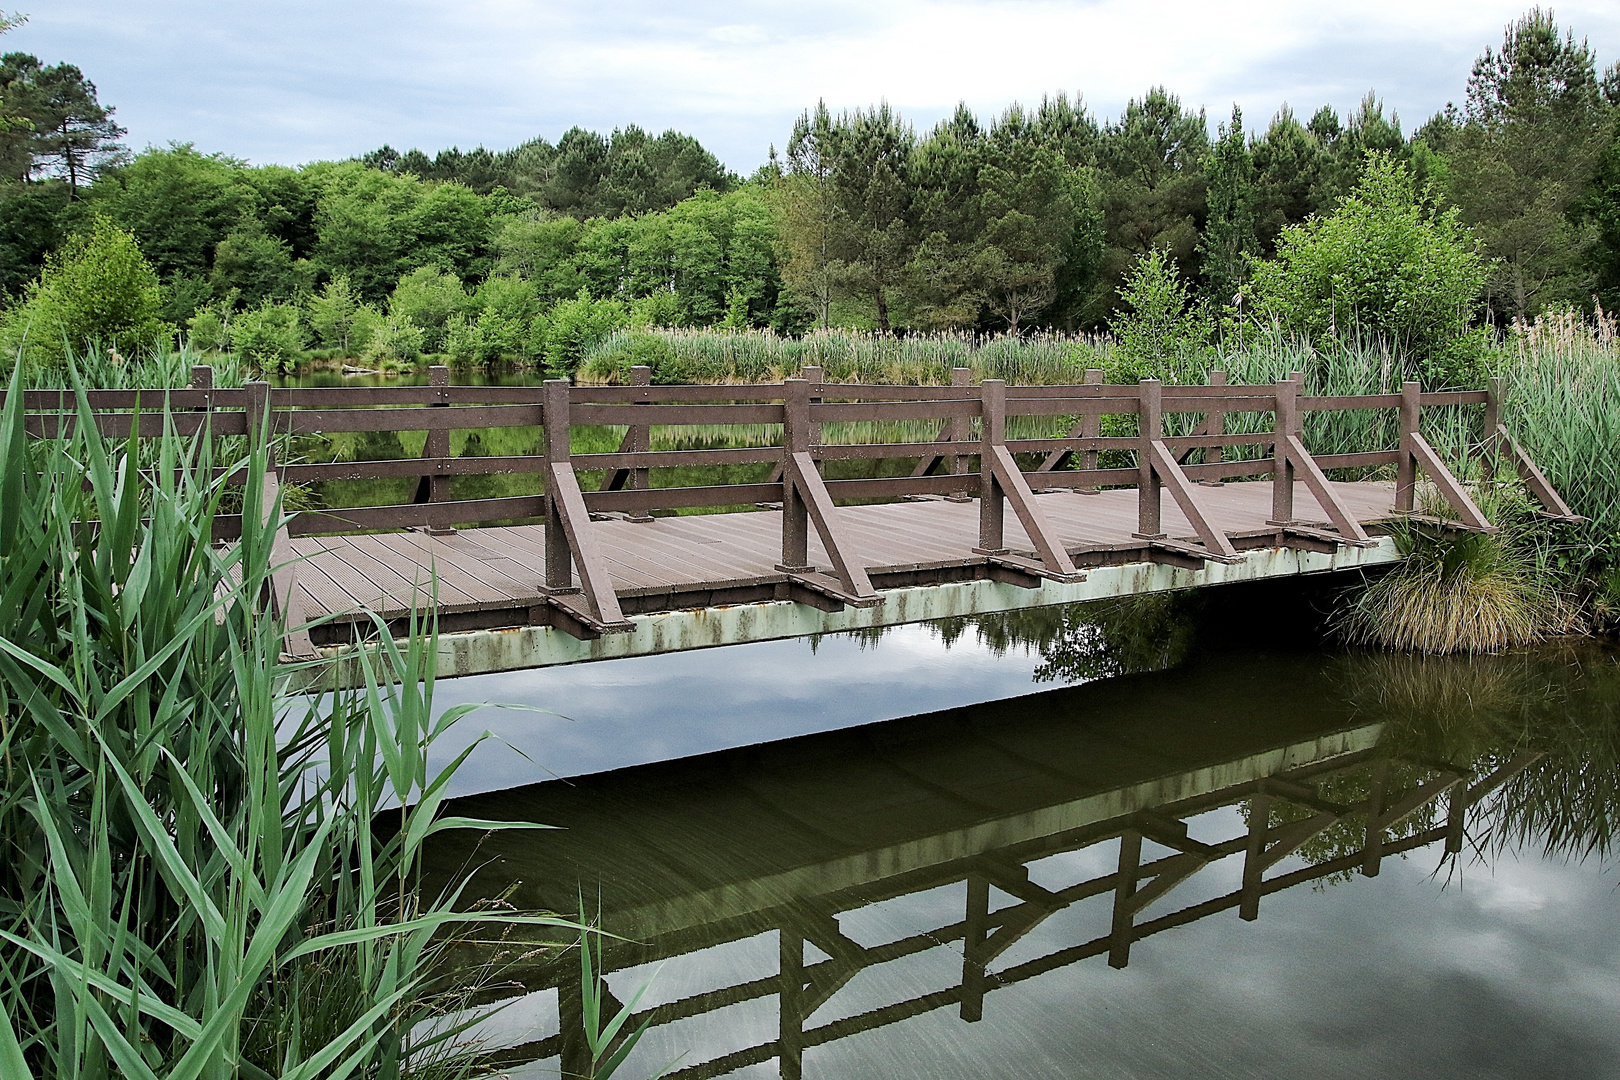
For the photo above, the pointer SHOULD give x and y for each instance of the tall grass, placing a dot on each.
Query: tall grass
(1563, 404)
(725, 356)
(192, 881)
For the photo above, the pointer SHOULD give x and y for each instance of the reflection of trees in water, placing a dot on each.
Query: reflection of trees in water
(1561, 701)
(1079, 642)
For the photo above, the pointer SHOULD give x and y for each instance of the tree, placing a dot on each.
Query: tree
(429, 298)
(808, 216)
(1162, 333)
(97, 290)
(1229, 238)
(1294, 177)
(180, 204)
(269, 336)
(1534, 131)
(872, 192)
(1386, 264)
(68, 132)
(260, 267)
(1152, 165)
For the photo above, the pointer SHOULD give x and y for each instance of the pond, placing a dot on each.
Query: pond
(1032, 846)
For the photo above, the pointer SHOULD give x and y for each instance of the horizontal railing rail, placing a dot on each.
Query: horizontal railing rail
(1118, 437)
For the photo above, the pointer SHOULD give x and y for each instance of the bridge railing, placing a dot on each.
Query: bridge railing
(1172, 425)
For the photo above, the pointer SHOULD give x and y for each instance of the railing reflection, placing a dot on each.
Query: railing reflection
(1309, 806)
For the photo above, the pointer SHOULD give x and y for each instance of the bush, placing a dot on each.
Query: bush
(208, 330)
(397, 341)
(97, 290)
(574, 326)
(1384, 263)
(269, 337)
(429, 298)
(1162, 333)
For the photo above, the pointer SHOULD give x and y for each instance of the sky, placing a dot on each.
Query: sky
(292, 81)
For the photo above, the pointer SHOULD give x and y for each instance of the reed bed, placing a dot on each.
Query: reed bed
(194, 878)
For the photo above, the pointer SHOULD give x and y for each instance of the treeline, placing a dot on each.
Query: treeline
(1040, 218)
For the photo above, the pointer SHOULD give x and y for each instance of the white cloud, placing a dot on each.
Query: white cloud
(301, 80)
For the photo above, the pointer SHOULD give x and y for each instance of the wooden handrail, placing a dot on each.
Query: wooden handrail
(801, 408)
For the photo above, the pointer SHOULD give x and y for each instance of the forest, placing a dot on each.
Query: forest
(1044, 218)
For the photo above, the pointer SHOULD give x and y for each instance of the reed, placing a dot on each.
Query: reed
(193, 883)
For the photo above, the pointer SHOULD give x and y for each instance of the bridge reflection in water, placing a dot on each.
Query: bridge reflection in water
(1248, 774)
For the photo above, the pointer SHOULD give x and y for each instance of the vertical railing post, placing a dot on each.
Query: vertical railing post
(258, 422)
(1149, 428)
(795, 440)
(992, 432)
(1495, 396)
(790, 1005)
(813, 375)
(1254, 859)
(1282, 465)
(957, 431)
(1215, 425)
(1090, 428)
(975, 933)
(435, 486)
(1406, 468)
(1130, 863)
(202, 377)
(640, 443)
(554, 417)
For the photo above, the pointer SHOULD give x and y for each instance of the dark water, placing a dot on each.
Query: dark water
(940, 895)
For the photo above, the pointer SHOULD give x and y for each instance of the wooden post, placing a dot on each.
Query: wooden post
(1372, 849)
(202, 378)
(813, 375)
(1495, 396)
(640, 439)
(1254, 866)
(1406, 469)
(956, 430)
(1282, 465)
(992, 433)
(1214, 424)
(435, 487)
(790, 1003)
(975, 933)
(554, 417)
(1149, 429)
(1130, 861)
(795, 514)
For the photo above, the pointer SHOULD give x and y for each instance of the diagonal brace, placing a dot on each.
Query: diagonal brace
(1182, 489)
(1534, 479)
(1010, 479)
(1317, 482)
(1447, 483)
(568, 505)
(800, 470)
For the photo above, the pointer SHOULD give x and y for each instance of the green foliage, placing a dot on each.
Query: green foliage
(1163, 333)
(338, 318)
(193, 878)
(395, 342)
(55, 125)
(97, 289)
(208, 329)
(1229, 240)
(258, 266)
(1384, 263)
(270, 336)
(574, 326)
(1535, 130)
(429, 298)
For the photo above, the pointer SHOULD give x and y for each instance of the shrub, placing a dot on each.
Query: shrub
(1162, 333)
(574, 326)
(1385, 263)
(429, 298)
(397, 341)
(98, 289)
(269, 337)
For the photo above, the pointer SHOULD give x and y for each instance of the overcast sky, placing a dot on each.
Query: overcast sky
(290, 81)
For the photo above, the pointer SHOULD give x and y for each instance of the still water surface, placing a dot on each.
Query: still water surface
(813, 887)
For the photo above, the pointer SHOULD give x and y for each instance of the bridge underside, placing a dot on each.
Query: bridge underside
(698, 581)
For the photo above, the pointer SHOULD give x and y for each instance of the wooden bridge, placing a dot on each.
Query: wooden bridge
(791, 838)
(602, 568)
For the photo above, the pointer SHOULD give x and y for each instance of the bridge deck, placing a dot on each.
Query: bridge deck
(492, 576)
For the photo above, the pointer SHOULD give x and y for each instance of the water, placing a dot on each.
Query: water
(944, 885)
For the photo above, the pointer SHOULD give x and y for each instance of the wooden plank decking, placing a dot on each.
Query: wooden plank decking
(493, 576)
